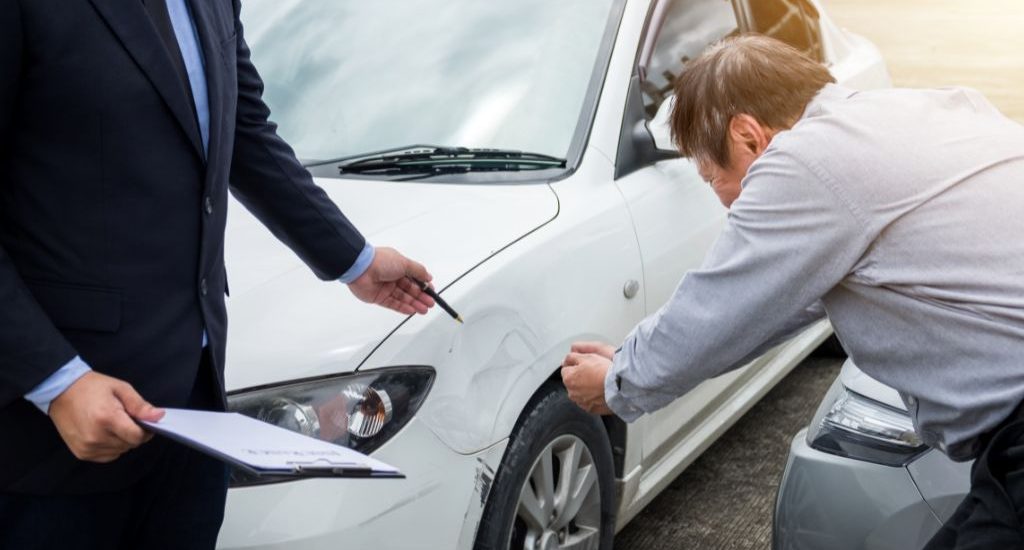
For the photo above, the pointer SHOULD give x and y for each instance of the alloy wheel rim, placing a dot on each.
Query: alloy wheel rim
(559, 506)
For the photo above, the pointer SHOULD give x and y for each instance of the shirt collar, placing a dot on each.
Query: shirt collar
(830, 93)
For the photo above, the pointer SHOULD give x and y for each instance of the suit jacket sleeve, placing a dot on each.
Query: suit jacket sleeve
(268, 179)
(31, 347)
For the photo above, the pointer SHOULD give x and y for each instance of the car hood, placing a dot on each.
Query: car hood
(286, 324)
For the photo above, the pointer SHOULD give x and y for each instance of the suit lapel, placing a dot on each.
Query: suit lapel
(212, 65)
(129, 21)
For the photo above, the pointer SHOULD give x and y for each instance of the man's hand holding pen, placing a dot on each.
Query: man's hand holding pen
(429, 290)
(387, 283)
(396, 282)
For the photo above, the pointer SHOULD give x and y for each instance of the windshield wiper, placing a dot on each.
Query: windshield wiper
(434, 159)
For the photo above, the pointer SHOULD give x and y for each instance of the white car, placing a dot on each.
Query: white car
(549, 208)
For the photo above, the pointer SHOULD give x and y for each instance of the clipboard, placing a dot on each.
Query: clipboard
(262, 449)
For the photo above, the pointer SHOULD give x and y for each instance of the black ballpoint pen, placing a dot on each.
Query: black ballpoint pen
(440, 301)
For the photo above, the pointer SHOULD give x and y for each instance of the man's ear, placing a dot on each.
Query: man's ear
(747, 134)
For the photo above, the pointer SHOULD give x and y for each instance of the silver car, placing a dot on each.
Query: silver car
(859, 477)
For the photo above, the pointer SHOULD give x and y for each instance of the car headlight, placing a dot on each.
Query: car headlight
(856, 427)
(360, 411)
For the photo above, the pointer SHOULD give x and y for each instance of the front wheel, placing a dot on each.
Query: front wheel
(555, 487)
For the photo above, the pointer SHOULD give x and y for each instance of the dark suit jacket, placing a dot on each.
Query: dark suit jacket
(111, 220)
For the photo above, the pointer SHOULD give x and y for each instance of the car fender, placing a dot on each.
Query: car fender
(523, 307)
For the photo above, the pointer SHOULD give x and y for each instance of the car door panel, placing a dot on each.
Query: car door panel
(675, 214)
(677, 219)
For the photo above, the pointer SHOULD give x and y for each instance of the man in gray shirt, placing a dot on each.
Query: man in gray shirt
(900, 211)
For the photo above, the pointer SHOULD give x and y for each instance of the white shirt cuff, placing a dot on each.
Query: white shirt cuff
(43, 394)
(360, 266)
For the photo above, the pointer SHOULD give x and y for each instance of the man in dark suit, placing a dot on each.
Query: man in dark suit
(122, 125)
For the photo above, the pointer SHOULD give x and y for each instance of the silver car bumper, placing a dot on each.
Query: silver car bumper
(835, 503)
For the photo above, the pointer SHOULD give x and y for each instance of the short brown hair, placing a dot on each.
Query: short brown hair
(750, 74)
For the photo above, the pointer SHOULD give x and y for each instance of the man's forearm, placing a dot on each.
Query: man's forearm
(631, 408)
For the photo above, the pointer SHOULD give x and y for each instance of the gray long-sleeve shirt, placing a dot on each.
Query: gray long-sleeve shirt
(902, 211)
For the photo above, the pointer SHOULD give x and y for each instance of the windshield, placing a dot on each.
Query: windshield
(346, 77)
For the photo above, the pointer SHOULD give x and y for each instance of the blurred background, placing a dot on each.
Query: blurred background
(931, 43)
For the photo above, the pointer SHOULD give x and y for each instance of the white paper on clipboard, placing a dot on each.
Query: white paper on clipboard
(265, 449)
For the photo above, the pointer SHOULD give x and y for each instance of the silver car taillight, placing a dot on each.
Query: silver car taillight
(864, 429)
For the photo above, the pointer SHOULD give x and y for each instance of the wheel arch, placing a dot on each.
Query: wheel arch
(524, 434)
(615, 427)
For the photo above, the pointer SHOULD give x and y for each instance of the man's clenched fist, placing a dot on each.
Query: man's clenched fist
(583, 373)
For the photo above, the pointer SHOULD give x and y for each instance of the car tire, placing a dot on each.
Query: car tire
(520, 513)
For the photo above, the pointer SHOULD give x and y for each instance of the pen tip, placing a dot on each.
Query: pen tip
(459, 319)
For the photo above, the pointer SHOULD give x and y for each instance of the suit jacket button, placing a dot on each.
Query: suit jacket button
(208, 205)
(202, 286)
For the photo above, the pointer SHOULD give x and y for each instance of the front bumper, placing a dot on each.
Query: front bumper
(431, 508)
(835, 503)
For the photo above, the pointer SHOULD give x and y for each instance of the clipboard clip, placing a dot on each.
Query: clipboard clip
(327, 467)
